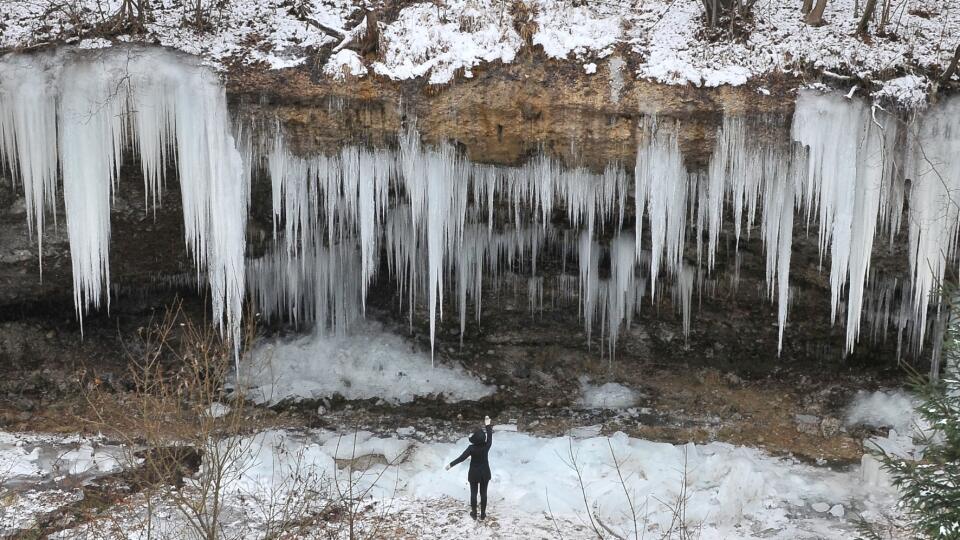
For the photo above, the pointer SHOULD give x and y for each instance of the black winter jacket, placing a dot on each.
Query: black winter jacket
(477, 452)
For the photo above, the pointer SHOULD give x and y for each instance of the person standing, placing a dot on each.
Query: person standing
(479, 474)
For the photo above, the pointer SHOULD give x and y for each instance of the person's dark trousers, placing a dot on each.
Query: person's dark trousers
(480, 486)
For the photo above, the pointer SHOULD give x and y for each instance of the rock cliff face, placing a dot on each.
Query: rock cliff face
(503, 115)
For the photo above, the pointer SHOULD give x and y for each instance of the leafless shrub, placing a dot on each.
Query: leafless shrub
(191, 436)
(186, 442)
(359, 520)
(679, 528)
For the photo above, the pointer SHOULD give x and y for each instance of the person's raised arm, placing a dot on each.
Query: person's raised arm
(486, 420)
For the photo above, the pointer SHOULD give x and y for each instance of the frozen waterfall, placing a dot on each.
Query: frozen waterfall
(447, 230)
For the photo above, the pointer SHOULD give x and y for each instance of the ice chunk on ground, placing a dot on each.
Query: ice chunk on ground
(609, 395)
(17, 460)
(370, 362)
(883, 408)
(218, 410)
(730, 491)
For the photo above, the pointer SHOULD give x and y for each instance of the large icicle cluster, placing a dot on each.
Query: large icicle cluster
(72, 115)
(439, 236)
(836, 168)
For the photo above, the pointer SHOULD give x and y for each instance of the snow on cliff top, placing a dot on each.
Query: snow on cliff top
(664, 39)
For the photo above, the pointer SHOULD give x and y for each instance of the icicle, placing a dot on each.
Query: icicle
(91, 133)
(683, 295)
(728, 149)
(28, 136)
(621, 296)
(847, 161)
(662, 177)
(934, 169)
(75, 114)
(589, 280)
(777, 230)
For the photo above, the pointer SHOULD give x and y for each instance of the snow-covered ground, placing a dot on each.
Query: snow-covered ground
(664, 39)
(729, 491)
(252, 30)
(542, 487)
(40, 473)
(370, 362)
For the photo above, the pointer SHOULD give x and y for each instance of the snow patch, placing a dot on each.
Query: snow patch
(664, 38)
(426, 38)
(95, 43)
(908, 91)
(583, 31)
(344, 62)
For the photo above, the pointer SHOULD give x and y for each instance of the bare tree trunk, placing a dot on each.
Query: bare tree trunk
(371, 38)
(807, 6)
(884, 17)
(715, 8)
(815, 17)
(952, 69)
(864, 27)
(198, 18)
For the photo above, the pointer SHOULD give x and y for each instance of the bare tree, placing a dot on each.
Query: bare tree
(884, 17)
(717, 10)
(578, 470)
(952, 68)
(190, 442)
(679, 525)
(815, 16)
(863, 27)
(132, 15)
